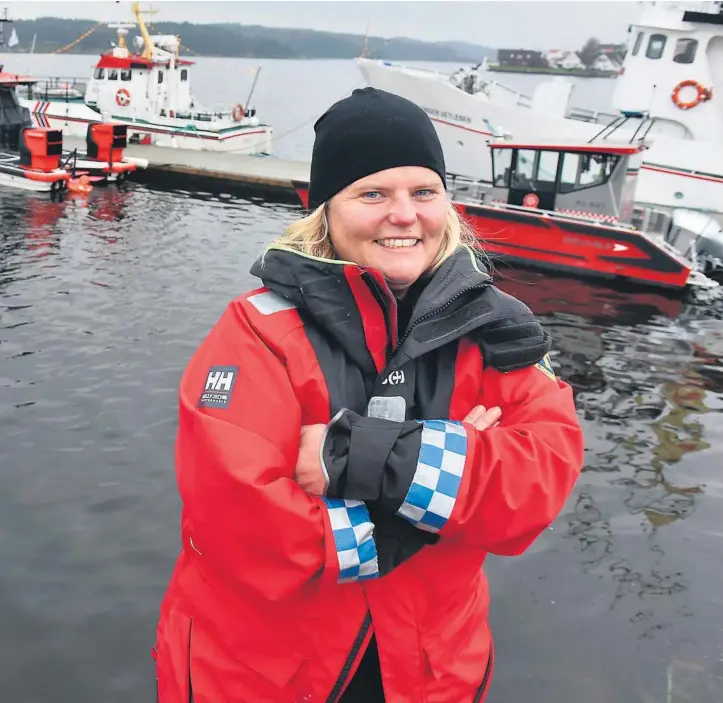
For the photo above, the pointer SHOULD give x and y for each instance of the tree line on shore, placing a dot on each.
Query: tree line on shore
(243, 41)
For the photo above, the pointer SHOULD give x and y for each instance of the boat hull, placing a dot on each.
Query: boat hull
(571, 246)
(73, 119)
(13, 176)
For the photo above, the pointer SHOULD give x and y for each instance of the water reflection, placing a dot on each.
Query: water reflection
(647, 370)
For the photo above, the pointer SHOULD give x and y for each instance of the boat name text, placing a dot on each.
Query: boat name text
(443, 115)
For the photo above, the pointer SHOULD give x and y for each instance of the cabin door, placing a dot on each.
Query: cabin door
(534, 178)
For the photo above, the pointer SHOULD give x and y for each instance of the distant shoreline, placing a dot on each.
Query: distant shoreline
(234, 40)
(7, 55)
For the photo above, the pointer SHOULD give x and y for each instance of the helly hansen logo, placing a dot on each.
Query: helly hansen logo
(395, 378)
(219, 386)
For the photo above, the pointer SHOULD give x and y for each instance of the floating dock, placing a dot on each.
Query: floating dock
(262, 176)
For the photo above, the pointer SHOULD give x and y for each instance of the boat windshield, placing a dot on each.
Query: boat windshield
(501, 167)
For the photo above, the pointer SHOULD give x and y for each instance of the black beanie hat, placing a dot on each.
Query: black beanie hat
(368, 132)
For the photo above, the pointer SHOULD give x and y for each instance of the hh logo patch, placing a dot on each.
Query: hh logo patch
(545, 365)
(219, 386)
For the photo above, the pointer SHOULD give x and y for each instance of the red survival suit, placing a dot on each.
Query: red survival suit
(276, 594)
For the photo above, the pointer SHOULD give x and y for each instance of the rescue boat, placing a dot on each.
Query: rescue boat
(147, 86)
(570, 208)
(29, 156)
(103, 159)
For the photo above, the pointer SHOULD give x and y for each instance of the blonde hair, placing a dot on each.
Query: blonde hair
(310, 235)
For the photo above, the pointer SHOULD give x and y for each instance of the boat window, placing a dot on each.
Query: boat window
(586, 170)
(638, 42)
(125, 74)
(570, 167)
(160, 77)
(501, 162)
(184, 74)
(546, 171)
(112, 74)
(99, 73)
(524, 171)
(685, 50)
(656, 46)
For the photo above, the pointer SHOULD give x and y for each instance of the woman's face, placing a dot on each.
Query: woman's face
(392, 221)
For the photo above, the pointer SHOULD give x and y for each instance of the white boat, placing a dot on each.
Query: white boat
(148, 90)
(673, 73)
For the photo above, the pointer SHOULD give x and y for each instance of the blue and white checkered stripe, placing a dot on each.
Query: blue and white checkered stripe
(434, 488)
(354, 539)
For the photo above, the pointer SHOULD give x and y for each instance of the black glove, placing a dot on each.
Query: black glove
(396, 539)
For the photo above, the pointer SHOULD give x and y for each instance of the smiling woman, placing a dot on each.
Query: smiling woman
(398, 221)
(354, 437)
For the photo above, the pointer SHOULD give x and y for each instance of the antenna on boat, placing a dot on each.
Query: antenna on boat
(253, 87)
(122, 30)
(365, 46)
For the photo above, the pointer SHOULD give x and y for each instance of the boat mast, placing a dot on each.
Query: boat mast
(136, 9)
(3, 20)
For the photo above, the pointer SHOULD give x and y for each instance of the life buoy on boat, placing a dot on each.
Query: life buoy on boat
(123, 97)
(238, 113)
(531, 200)
(702, 94)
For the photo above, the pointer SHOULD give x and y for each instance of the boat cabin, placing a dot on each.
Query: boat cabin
(588, 179)
(128, 84)
(13, 116)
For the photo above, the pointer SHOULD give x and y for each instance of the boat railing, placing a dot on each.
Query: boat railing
(488, 85)
(57, 88)
(520, 99)
(556, 214)
(583, 114)
(205, 115)
(465, 187)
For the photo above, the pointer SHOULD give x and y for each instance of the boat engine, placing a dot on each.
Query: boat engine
(105, 141)
(699, 237)
(709, 254)
(41, 148)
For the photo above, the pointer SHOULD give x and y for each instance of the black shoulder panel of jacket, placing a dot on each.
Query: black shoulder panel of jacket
(513, 338)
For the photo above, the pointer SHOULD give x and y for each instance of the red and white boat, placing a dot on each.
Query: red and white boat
(569, 207)
(149, 91)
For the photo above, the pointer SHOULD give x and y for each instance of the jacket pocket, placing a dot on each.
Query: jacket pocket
(260, 669)
(191, 658)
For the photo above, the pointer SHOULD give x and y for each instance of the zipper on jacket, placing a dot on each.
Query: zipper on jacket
(486, 678)
(426, 316)
(356, 646)
(436, 311)
(388, 303)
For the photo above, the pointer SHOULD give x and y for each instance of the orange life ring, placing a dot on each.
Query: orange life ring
(238, 113)
(702, 94)
(123, 97)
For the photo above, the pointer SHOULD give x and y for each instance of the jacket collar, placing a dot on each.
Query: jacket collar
(328, 291)
(298, 277)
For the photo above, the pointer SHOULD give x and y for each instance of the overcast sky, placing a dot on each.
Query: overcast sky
(504, 23)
